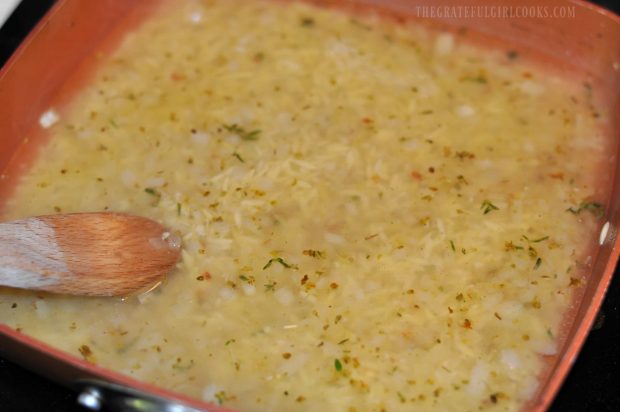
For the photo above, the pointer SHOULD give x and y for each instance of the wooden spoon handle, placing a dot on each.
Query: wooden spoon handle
(30, 257)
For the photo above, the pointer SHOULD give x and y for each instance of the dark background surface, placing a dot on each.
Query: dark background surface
(592, 385)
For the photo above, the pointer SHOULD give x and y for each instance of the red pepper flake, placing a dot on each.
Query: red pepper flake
(367, 120)
(304, 279)
(416, 175)
(300, 399)
(333, 285)
(558, 175)
(177, 76)
(204, 276)
(286, 355)
(467, 324)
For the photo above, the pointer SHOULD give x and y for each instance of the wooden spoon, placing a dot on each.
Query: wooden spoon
(93, 254)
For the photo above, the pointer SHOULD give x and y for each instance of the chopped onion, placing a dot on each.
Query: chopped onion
(284, 296)
(201, 137)
(477, 380)
(227, 294)
(510, 358)
(465, 111)
(333, 238)
(49, 118)
(444, 44)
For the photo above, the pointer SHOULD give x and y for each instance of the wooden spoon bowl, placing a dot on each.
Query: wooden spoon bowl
(92, 254)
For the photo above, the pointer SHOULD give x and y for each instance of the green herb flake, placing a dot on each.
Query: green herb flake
(270, 287)
(178, 209)
(307, 22)
(179, 366)
(113, 123)
(280, 261)
(221, 397)
(238, 156)
(549, 333)
(152, 192)
(229, 341)
(538, 263)
(481, 79)
(253, 135)
(539, 239)
(343, 341)
(401, 397)
(487, 207)
(248, 279)
(243, 134)
(595, 208)
(259, 57)
(508, 246)
(338, 365)
(452, 246)
(233, 128)
(314, 253)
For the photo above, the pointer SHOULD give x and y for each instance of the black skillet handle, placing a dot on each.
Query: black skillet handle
(98, 395)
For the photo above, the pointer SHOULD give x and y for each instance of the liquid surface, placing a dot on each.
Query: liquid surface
(374, 217)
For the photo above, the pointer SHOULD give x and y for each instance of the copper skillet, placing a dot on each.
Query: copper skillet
(35, 78)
